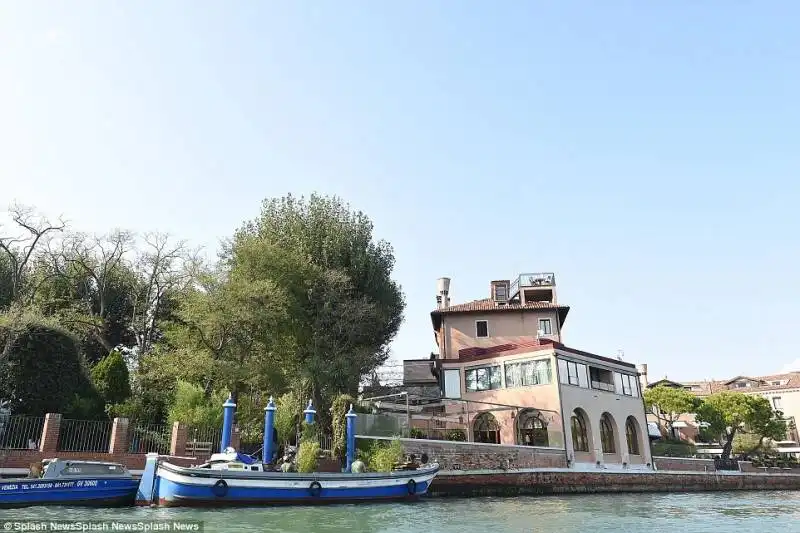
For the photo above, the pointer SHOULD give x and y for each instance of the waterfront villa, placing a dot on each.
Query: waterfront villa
(782, 391)
(506, 353)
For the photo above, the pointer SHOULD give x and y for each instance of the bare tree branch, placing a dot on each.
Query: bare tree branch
(32, 230)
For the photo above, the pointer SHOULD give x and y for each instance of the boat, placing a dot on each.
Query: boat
(231, 479)
(72, 482)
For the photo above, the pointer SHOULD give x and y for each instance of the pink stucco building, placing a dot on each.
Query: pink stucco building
(506, 352)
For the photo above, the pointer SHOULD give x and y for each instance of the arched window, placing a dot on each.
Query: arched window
(580, 439)
(607, 434)
(486, 429)
(533, 430)
(632, 435)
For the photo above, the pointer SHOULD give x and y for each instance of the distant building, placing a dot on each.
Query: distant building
(782, 391)
(506, 350)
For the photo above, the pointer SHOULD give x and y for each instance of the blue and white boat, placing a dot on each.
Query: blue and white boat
(226, 480)
(72, 482)
(229, 478)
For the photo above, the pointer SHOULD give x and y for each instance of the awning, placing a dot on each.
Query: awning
(680, 424)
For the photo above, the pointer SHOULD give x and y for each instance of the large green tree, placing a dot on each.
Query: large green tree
(668, 404)
(232, 326)
(345, 308)
(729, 413)
(43, 369)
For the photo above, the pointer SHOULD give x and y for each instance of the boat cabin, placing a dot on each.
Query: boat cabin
(68, 469)
(230, 459)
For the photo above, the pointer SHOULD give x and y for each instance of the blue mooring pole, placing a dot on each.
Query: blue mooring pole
(351, 437)
(269, 424)
(310, 412)
(228, 408)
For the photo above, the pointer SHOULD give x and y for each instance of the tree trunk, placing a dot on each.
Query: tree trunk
(726, 450)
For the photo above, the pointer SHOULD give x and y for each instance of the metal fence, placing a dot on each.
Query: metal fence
(20, 432)
(84, 436)
(202, 441)
(149, 438)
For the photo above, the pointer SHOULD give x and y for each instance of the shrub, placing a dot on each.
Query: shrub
(44, 370)
(456, 435)
(417, 433)
(383, 457)
(673, 448)
(110, 376)
(191, 406)
(289, 409)
(341, 404)
(308, 456)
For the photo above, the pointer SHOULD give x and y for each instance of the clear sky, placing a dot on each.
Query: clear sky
(648, 155)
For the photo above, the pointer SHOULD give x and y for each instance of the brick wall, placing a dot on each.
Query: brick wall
(747, 466)
(477, 456)
(684, 464)
(561, 482)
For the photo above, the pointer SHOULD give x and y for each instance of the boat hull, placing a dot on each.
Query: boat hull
(79, 492)
(178, 486)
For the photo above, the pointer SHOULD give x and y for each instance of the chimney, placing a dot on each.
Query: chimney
(643, 374)
(498, 291)
(442, 293)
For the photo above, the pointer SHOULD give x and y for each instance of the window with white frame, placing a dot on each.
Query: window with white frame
(776, 403)
(452, 383)
(572, 373)
(627, 384)
(525, 373)
(481, 328)
(483, 378)
(545, 326)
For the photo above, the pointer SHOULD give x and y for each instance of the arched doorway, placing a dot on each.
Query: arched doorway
(532, 429)
(607, 434)
(486, 429)
(581, 437)
(633, 437)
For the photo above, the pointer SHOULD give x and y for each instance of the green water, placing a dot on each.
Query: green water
(740, 512)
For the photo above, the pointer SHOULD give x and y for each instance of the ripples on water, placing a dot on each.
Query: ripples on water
(739, 512)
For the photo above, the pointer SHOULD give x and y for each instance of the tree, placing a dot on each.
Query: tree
(111, 378)
(164, 267)
(231, 328)
(43, 370)
(344, 307)
(668, 404)
(89, 284)
(20, 247)
(729, 413)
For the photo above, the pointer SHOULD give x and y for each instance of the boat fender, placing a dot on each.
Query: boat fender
(412, 487)
(220, 488)
(315, 489)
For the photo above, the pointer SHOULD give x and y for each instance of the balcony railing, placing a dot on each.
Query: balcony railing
(536, 279)
(601, 385)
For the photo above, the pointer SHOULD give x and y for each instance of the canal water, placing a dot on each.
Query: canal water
(624, 513)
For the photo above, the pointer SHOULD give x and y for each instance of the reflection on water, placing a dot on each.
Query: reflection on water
(737, 512)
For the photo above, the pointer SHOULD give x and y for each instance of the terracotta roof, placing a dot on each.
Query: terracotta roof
(758, 383)
(477, 353)
(488, 305)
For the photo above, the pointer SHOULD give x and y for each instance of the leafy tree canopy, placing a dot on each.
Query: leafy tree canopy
(668, 404)
(729, 413)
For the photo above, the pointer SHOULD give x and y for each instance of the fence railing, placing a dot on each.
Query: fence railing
(149, 438)
(84, 436)
(202, 441)
(20, 432)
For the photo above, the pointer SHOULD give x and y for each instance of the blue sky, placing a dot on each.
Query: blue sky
(646, 154)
